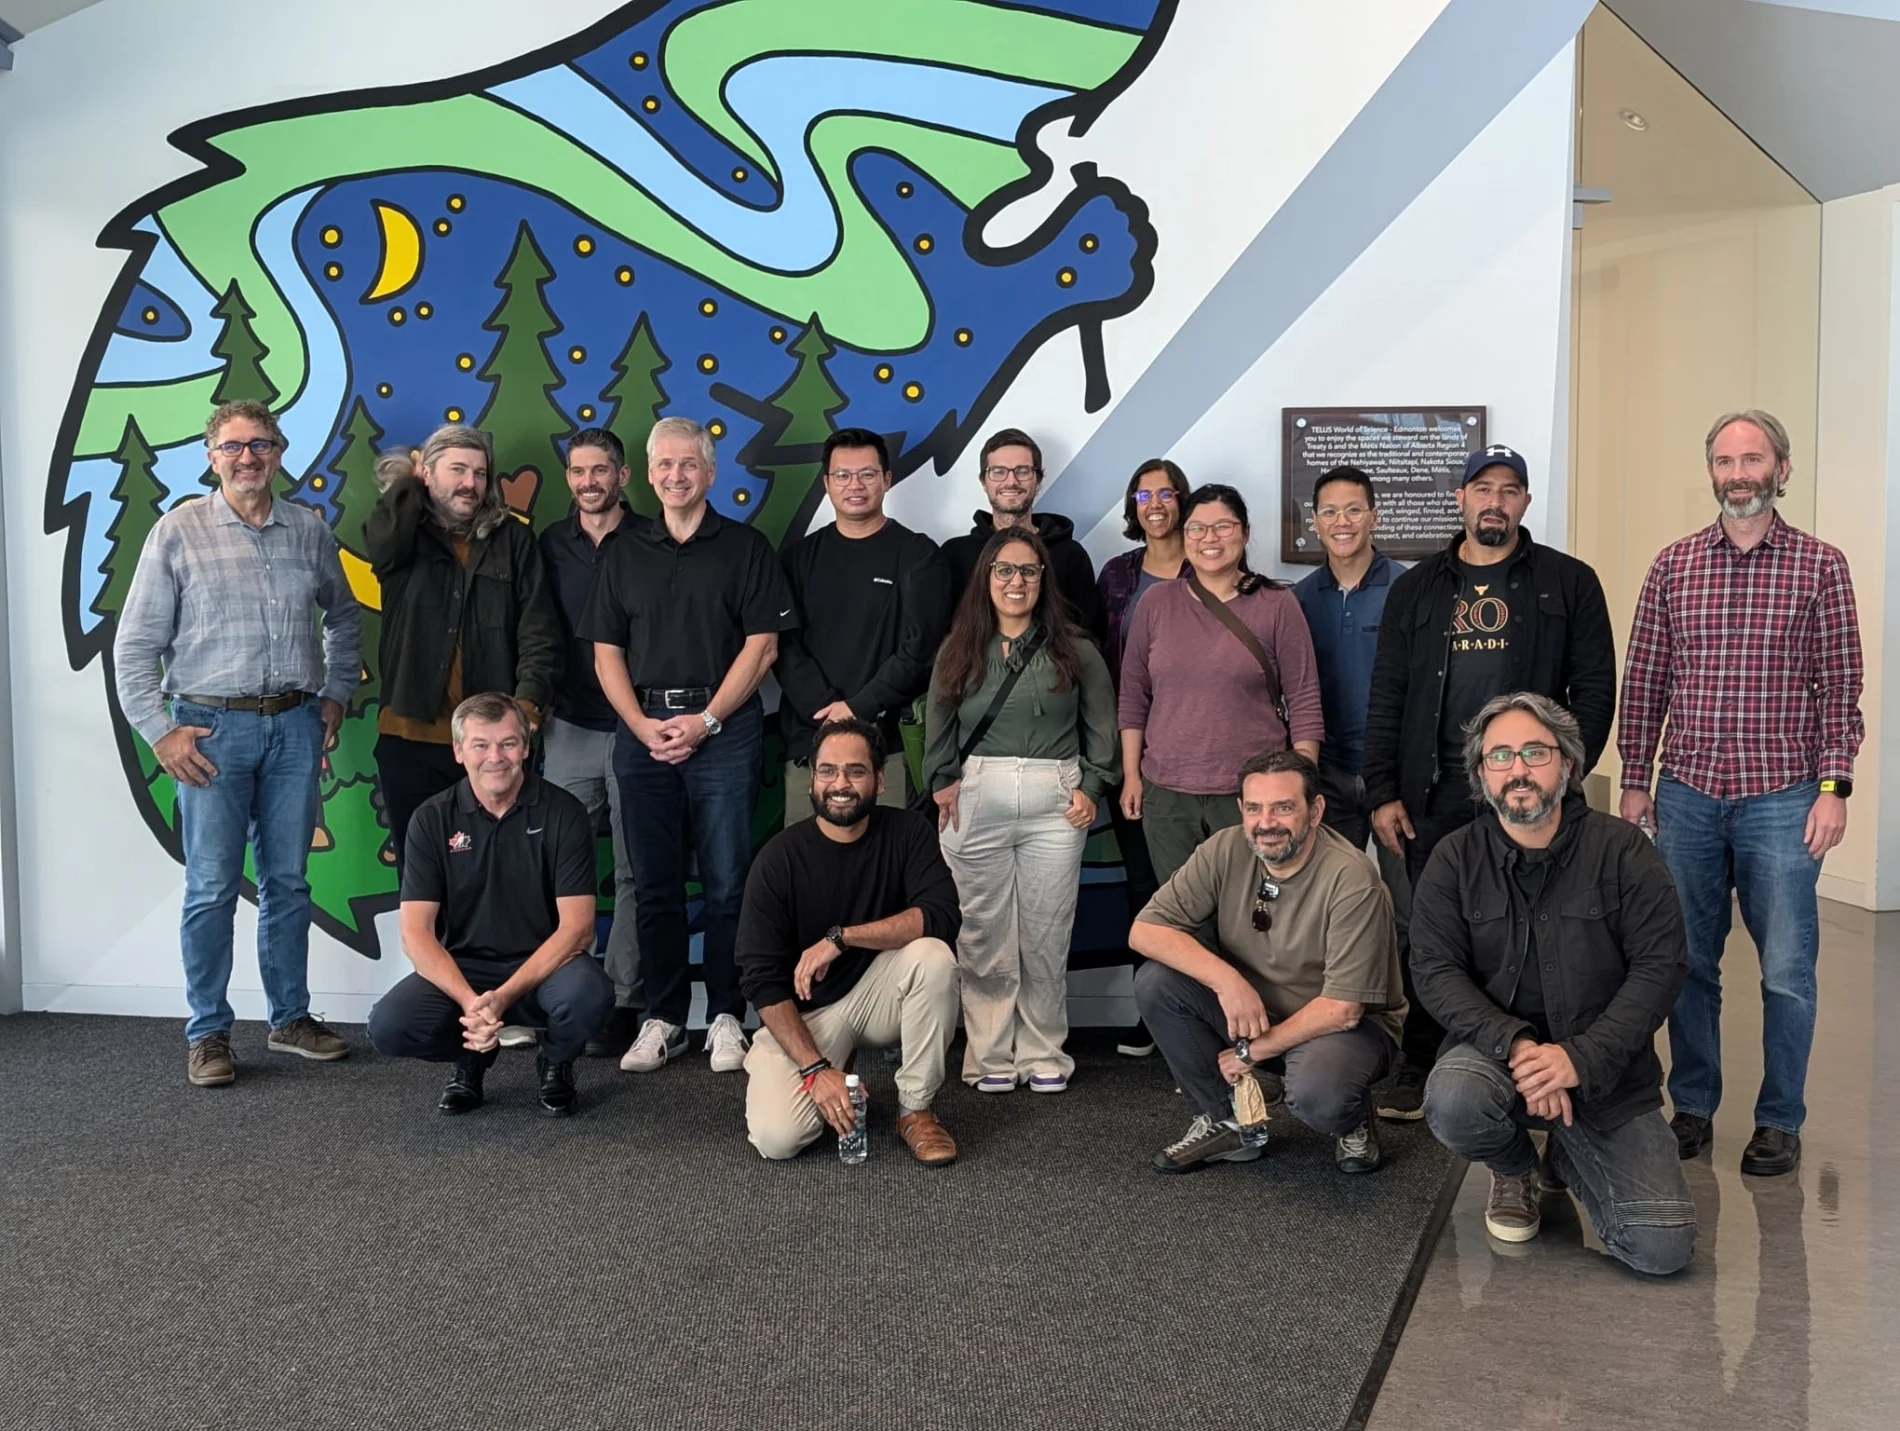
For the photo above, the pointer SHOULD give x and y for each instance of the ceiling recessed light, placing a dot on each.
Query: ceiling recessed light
(1633, 119)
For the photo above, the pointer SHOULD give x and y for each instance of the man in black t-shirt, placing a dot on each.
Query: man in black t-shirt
(497, 900)
(873, 604)
(845, 943)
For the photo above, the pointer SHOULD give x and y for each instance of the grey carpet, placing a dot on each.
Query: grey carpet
(314, 1247)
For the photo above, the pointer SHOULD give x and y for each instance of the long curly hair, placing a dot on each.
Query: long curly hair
(963, 658)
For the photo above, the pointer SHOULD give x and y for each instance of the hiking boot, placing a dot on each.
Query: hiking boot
(1511, 1213)
(463, 1092)
(1210, 1141)
(307, 1038)
(1358, 1151)
(658, 1042)
(928, 1140)
(725, 1044)
(208, 1063)
(558, 1097)
(1403, 1099)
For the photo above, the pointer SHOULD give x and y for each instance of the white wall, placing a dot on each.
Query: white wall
(1458, 300)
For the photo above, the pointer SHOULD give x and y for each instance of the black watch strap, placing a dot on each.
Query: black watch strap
(836, 935)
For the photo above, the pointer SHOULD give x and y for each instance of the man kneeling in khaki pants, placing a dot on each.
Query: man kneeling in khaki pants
(845, 943)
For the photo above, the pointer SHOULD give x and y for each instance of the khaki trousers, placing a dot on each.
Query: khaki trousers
(908, 996)
(798, 788)
(1018, 865)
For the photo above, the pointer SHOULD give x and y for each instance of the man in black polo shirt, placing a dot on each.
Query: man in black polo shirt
(685, 619)
(497, 900)
(578, 741)
(873, 603)
(845, 944)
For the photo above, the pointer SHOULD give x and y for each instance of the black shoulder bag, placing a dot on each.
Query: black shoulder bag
(1252, 642)
(926, 803)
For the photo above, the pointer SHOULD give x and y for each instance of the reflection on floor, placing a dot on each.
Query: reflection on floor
(1790, 1315)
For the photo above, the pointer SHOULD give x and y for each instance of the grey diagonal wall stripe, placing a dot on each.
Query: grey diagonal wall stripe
(1471, 62)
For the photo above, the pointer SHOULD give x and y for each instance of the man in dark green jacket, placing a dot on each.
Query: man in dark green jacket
(466, 608)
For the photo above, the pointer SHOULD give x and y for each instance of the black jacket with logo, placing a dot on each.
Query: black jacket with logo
(1561, 647)
(1607, 928)
(499, 607)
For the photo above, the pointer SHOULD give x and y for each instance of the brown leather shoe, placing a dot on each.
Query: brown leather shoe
(927, 1138)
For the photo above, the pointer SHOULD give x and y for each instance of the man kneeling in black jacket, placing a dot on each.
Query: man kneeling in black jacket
(1547, 939)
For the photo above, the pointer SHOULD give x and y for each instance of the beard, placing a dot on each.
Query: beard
(1521, 816)
(1763, 499)
(1492, 536)
(1278, 843)
(842, 814)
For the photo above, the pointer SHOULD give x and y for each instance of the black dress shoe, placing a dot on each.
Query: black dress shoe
(1692, 1134)
(1771, 1152)
(557, 1086)
(615, 1036)
(463, 1092)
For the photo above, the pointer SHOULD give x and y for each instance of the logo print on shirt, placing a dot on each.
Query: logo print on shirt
(1476, 625)
(460, 843)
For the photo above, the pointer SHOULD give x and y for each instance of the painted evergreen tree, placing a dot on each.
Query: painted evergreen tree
(638, 400)
(138, 494)
(520, 414)
(242, 351)
(354, 491)
(796, 422)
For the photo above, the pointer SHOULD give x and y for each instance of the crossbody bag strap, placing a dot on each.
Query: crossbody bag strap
(1027, 652)
(1244, 634)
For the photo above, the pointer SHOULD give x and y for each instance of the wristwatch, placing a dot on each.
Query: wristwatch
(836, 935)
(1240, 1051)
(713, 724)
(1842, 788)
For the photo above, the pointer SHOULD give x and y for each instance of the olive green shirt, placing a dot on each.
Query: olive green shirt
(1036, 722)
(1332, 933)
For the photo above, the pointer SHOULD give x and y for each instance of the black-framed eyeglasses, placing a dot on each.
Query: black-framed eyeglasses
(1008, 571)
(1536, 755)
(1263, 904)
(1021, 474)
(257, 447)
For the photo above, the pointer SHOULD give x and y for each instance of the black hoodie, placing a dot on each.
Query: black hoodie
(1074, 573)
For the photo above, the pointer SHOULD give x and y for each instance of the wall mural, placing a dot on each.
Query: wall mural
(764, 214)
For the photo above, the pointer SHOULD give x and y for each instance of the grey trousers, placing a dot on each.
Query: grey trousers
(1175, 823)
(1629, 1179)
(798, 787)
(581, 762)
(1328, 1079)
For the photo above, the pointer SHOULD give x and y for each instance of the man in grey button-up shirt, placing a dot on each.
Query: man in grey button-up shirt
(225, 600)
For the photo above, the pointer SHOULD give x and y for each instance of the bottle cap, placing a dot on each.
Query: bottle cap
(851, 1080)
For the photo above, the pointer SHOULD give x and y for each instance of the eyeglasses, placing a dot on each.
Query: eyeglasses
(1354, 513)
(828, 773)
(1008, 571)
(1536, 755)
(1226, 527)
(1263, 904)
(1021, 474)
(1166, 496)
(257, 447)
(863, 477)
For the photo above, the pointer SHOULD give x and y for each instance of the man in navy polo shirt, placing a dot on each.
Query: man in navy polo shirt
(497, 902)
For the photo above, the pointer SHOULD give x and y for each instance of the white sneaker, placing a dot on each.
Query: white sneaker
(517, 1036)
(658, 1041)
(725, 1041)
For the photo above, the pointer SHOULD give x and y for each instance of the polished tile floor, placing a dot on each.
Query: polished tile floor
(1789, 1316)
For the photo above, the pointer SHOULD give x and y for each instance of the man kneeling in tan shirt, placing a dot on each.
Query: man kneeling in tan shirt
(1303, 984)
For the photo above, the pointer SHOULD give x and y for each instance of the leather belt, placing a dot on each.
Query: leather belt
(263, 705)
(679, 698)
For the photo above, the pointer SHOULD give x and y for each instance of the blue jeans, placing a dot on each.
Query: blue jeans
(714, 792)
(1629, 1178)
(1753, 847)
(264, 794)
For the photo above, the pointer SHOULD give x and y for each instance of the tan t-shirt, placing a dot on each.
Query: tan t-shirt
(1332, 934)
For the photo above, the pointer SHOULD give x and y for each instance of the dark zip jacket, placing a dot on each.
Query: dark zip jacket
(1607, 928)
(1561, 647)
(499, 607)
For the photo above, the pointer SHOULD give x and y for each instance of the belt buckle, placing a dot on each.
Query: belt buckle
(676, 698)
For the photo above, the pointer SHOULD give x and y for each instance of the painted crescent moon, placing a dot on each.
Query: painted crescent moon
(402, 253)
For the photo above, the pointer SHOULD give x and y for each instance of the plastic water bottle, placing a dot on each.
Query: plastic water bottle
(855, 1146)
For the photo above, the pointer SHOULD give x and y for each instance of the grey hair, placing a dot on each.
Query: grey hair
(392, 465)
(488, 707)
(684, 427)
(1769, 424)
(1558, 721)
(493, 510)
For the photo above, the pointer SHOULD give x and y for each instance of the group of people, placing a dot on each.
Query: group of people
(1499, 963)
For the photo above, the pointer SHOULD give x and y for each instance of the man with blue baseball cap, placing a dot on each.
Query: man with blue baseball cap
(1492, 612)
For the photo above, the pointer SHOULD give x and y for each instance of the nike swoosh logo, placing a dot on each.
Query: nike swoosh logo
(786, 612)
(533, 831)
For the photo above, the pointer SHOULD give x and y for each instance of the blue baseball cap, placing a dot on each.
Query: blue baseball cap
(1496, 455)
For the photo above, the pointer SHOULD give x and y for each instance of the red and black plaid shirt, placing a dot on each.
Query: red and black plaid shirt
(1754, 657)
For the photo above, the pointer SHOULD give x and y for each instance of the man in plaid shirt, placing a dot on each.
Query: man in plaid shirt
(1746, 639)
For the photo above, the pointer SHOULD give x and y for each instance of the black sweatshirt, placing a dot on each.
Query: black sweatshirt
(803, 882)
(871, 613)
(1074, 573)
